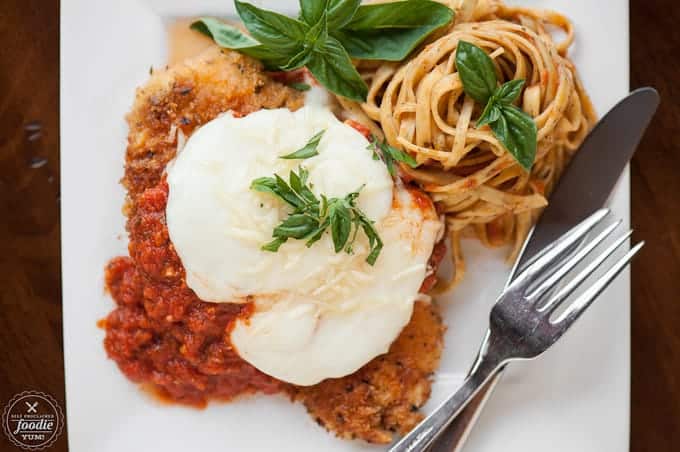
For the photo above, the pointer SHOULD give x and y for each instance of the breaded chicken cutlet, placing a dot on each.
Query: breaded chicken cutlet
(380, 399)
(383, 397)
(188, 95)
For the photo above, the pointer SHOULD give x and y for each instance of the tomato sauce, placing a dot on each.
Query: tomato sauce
(362, 129)
(160, 333)
(435, 261)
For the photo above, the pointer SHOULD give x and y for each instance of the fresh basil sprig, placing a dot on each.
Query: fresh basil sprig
(390, 31)
(232, 38)
(389, 155)
(332, 67)
(309, 150)
(339, 11)
(311, 216)
(327, 34)
(514, 128)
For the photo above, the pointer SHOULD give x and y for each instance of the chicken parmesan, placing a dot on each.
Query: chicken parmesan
(206, 310)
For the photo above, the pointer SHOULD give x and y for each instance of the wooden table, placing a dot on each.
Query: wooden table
(31, 352)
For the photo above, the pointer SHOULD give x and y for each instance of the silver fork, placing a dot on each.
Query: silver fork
(521, 323)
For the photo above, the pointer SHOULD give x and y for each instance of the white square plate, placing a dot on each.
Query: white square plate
(576, 398)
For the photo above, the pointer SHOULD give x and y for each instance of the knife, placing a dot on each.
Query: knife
(584, 188)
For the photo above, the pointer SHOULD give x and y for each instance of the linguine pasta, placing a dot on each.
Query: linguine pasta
(419, 106)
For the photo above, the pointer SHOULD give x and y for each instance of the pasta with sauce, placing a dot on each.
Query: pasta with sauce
(420, 107)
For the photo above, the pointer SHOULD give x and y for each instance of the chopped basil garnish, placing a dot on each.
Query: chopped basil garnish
(389, 154)
(311, 216)
(309, 150)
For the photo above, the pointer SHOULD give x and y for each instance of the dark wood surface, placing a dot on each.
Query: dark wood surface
(31, 352)
(655, 198)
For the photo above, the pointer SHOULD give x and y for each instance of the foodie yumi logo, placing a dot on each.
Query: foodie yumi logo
(32, 420)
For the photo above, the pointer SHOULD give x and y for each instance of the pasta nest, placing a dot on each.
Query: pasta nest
(421, 107)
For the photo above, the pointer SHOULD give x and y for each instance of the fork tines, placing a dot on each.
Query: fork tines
(553, 264)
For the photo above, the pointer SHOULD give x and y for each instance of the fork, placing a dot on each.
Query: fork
(523, 323)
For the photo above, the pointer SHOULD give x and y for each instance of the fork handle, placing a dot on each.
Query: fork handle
(427, 431)
(455, 435)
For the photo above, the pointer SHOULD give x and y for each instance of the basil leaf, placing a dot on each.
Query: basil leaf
(296, 226)
(491, 113)
(476, 71)
(309, 201)
(304, 174)
(264, 184)
(374, 240)
(286, 193)
(223, 34)
(311, 10)
(317, 32)
(341, 224)
(279, 32)
(309, 150)
(332, 67)
(399, 155)
(274, 245)
(389, 163)
(375, 251)
(389, 155)
(316, 235)
(324, 206)
(390, 31)
(352, 197)
(232, 38)
(500, 130)
(300, 86)
(399, 14)
(295, 182)
(280, 188)
(509, 91)
(296, 61)
(517, 131)
(373, 146)
(341, 12)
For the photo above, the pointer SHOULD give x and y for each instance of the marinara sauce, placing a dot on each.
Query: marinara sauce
(160, 333)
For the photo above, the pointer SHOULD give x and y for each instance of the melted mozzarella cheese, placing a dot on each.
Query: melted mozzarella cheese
(318, 314)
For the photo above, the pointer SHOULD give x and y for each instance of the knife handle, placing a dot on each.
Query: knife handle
(453, 438)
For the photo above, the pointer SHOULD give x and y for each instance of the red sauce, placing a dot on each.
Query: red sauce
(430, 280)
(421, 200)
(161, 334)
(362, 129)
(538, 186)
(470, 183)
